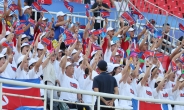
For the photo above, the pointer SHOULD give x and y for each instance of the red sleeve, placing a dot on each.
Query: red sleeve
(85, 45)
(124, 45)
(36, 32)
(104, 46)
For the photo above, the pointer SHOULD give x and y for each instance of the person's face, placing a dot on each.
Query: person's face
(131, 34)
(2, 61)
(53, 58)
(113, 47)
(70, 70)
(76, 29)
(99, 1)
(40, 52)
(59, 55)
(129, 80)
(167, 29)
(111, 33)
(29, 11)
(51, 35)
(95, 37)
(60, 18)
(25, 40)
(172, 77)
(10, 37)
(117, 58)
(118, 70)
(145, 47)
(25, 49)
(10, 18)
(26, 65)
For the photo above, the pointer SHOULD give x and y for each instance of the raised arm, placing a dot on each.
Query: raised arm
(20, 8)
(63, 22)
(148, 68)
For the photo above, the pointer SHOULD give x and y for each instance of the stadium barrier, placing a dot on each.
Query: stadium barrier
(55, 88)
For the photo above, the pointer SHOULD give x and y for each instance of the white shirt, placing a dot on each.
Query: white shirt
(179, 96)
(126, 90)
(88, 83)
(107, 55)
(144, 91)
(118, 77)
(11, 71)
(21, 74)
(70, 83)
(35, 74)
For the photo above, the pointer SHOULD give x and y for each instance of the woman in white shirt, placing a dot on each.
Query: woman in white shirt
(143, 89)
(22, 65)
(160, 92)
(3, 64)
(179, 94)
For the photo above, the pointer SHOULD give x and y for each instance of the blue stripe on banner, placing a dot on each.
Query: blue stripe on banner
(29, 108)
(165, 107)
(37, 81)
(135, 104)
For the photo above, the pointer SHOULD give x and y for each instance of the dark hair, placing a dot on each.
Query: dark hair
(86, 71)
(153, 69)
(23, 38)
(19, 64)
(166, 24)
(114, 71)
(181, 38)
(139, 80)
(6, 36)
(156, 84)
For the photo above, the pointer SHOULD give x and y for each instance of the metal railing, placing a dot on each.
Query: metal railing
(91, 93)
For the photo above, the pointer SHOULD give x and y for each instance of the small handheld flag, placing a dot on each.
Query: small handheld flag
(174, 66)
(18, 32)
(37, 7)
(68, 6)
(115, 39)
(126, 15)
(140, 16)
(158, 34)
(105, 14)
(87, 10)
(96, 47)
(181, 27)
(69, 41)
(46, 41)
(13, 7)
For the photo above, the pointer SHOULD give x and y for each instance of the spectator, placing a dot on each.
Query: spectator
(96, 8)
(105, 83)
(165, 44)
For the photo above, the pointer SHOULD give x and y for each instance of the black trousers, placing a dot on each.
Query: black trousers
(104, 108)
(78, 107)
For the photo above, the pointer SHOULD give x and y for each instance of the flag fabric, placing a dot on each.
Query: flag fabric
(149, 54)
(150, 27)
(181, 27)
(141, 105)
(31, 21)
(140, 16)
(38, 7)
(18, 103)
(45, 2)
(46, 41)
(68, 6)
(87, 10)
(174, 66)
(126, 15)
(13, 7)
(97, 32)
(181, 59)
(69, 41)
(104, 14)
(121, 52)
(96, 47)
(19, 31)
(68, 34)
(115, 39)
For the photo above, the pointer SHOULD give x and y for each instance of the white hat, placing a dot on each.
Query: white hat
(26, 7)
(44, 18)
(92, 30)
(40, 46)
(110, 29)
(141, 75)
(81, 58)
(74, 51)
(60, 50)
(68, 64)
(159, 79)
(181, 79)
(110, 67)
(68, 57)
(24, 36)
(131, 29)
(24, 44)
(112, 43)
(93, 52)
(31, 61)
(7, 33)
(4, 51)
(2, 40)
(117, 53)
(2, 55)
(20, 59)
(60, 14)
(119, 36)
(11, 14)
(43, 34)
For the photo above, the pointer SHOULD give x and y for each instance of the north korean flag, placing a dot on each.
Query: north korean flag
(68, 6)
(181, 27)
(126, 15)
(13, 7)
